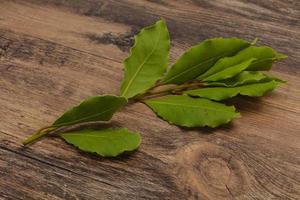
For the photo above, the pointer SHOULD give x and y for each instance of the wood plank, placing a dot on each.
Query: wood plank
(102, 22)
(192, 21)
(47, 64)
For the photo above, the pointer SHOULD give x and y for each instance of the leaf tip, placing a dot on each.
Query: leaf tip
(161, 19)
(279, 81)
(254, 41)
(281, 56)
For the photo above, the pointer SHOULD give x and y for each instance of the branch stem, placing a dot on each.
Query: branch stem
(157, 90)
(171, 89)
(38, 135)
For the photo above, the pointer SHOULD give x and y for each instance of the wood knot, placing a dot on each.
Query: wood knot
(210, 171)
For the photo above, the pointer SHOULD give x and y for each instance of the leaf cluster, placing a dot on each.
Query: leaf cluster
(189, 93)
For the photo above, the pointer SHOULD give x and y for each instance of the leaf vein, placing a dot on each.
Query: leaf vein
(84, 118)
(181, 105)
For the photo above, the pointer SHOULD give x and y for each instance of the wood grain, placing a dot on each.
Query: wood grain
(54, 53)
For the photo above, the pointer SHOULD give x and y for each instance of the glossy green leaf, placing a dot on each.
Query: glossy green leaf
(201, 57)
(192, 112)
(97, 108)
(147, 61)
(230, 71)
(245, 77)
(106, 142)
(220, 93)
(264, 56)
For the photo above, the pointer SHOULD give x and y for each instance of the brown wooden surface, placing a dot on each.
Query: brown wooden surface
(54, 53)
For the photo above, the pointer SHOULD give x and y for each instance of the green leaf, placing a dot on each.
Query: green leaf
(201, 57)
(106, 143)
(147, 61)
(220, 93)
(97, 108)
(264, 56)
(192, 112)
(230, 71)
(245, 77)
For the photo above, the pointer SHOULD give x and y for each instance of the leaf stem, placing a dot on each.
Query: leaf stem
(39, 134)
(168, 89)
(57, 129)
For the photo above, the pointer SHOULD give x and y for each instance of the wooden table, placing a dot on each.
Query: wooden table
(55, 53)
